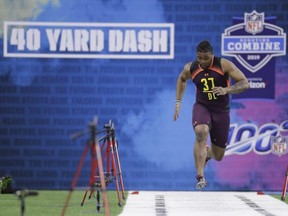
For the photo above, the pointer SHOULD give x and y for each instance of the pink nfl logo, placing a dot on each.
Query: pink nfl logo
(254, 22)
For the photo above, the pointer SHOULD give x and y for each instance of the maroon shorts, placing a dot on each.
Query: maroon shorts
(218, 122)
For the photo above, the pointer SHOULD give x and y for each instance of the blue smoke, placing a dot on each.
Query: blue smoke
(157, 138)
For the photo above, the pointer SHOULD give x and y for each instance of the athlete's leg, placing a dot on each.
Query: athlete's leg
(201, 121)
(200, 150)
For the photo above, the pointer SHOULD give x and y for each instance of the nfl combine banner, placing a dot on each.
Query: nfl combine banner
(253, 41)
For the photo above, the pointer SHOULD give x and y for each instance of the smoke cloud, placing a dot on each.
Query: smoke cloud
(15, 10)
(157, 138)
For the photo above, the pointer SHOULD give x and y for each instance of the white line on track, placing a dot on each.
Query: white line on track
(164, 203)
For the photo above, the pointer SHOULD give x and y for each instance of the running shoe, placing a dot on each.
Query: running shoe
(201, 184)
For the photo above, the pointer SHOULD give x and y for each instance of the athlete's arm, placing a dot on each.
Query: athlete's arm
(180, 88)
(182, 80)
(241, 84)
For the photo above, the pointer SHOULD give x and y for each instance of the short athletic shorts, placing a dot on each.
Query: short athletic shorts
(218, 122)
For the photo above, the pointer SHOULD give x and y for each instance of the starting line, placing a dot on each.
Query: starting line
(164, 203)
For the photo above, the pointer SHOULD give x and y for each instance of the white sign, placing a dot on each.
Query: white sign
(89, 40)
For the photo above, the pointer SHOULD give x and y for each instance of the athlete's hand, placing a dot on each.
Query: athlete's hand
(177, 110)
(219, 91)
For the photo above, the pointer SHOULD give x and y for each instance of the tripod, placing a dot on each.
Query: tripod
(96, 161)
(109, 150)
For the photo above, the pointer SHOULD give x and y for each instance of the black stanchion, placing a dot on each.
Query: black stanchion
(22, 194)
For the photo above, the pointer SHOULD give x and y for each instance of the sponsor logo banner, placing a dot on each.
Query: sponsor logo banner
(253, 41)
(266, 139)
(89, 40)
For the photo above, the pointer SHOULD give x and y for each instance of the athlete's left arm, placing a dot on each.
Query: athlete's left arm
(241, 82)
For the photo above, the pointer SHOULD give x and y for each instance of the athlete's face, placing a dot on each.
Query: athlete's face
(204, 59)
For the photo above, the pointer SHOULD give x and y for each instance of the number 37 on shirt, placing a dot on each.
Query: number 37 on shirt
(208, 84)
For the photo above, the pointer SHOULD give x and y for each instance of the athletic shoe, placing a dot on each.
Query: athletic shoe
(201, 182)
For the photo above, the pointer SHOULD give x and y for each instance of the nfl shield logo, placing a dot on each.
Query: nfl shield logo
(279, 145)
(254, 22)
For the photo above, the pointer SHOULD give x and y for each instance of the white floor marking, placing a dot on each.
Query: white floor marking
(164, 203)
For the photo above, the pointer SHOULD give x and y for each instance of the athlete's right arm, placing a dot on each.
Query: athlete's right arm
(180, 88)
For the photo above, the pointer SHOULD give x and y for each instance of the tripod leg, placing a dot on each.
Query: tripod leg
(119, 168)
(22, 206)
(86, 191)
(101, 173)
(98, 201)
(93, 165)
(83, 200)
(115, 175)
(91, 193)
(285, 186)
(74, 181)
(103, 150)
(108, 161)
(105, 153)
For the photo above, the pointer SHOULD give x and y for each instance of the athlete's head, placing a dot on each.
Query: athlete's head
(204, 54)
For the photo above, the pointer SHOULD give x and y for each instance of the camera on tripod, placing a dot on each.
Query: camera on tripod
(107, 126)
